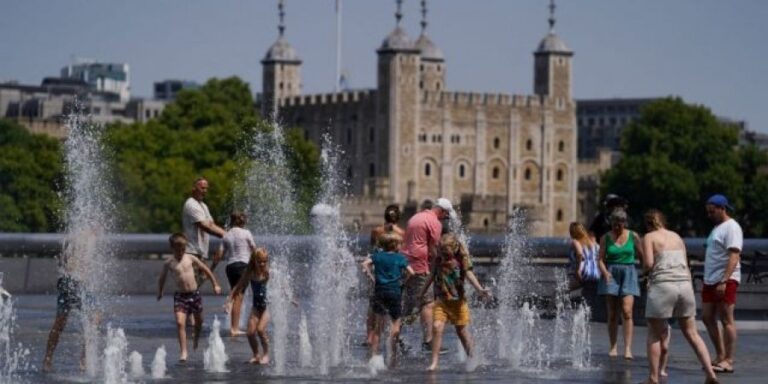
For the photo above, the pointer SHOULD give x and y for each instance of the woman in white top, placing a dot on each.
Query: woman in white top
(670, 294)
(236, 248)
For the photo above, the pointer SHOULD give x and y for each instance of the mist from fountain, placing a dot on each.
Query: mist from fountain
(136, 365)
(115, 356)
(215, 355)
(158, 363)
(13, 358)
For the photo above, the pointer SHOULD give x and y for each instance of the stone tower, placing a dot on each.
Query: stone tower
(552, 66)
(432, 68)
(397, 110)
(281, 71)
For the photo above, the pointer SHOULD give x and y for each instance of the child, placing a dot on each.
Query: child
(451, 267)
(257, 274)
(187, 300)
(388, 266)
(236, 248)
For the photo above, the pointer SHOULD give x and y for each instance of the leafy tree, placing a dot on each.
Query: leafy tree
(673, 158)
(754, 168)
(30, 173)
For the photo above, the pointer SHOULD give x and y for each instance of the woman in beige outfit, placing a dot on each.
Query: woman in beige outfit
(670, 294)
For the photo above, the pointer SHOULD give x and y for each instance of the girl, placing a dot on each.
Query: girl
(257, 275)
(584, 252)
(236, 247)
(451, 267)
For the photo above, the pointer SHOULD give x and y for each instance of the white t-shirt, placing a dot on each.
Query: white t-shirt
(197, 239)
(237, 244)
(726, 235)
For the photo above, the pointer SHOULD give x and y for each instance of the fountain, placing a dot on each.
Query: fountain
(158, 363)
(215, 356)
(136, 365)
(13, 358)
(115, 354)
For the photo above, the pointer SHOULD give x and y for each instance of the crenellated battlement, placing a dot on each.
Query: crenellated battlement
(322, 99)
(481, 99)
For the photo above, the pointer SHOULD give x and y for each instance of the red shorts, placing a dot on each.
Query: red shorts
(709, 293)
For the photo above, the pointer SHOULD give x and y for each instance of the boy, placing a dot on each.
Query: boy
(388, 266)
(187, 300)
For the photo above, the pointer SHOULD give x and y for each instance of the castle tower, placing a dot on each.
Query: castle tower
(281, 71)
(397, 111)
(552, 65)
(432, 68)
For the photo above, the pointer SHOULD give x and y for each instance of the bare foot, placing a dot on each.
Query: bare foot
(628, 354)
(236, 333)
(432, 367)
(264, 359)
(613, 352)
(47, 365)
(254, 360)
(663, 373)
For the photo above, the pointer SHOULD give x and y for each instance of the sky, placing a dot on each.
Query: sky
(710, 52)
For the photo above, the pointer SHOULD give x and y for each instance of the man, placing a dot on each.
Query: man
(422, 240)
(198, 223)
(722, 274)
(601, 224)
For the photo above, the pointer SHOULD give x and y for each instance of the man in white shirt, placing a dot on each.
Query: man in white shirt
(197, 221)
(722, 274)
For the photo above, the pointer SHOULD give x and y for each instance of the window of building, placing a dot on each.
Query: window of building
(527, 173)
(439, 68)
(281, 85)
(437, 86)
(561, 146)
(427, 169)
(421, 85)
(148, 113)
(423, 137)
(157, 112)
(559, 175)
(371, 170)
(421, 68)
(495, 173)
(306, 134)
(496, 143)
(591, 121)
(529, 144)
(559, 215)
(485, 222)
(462, 171)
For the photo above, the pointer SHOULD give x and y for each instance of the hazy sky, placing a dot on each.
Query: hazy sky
(712, 52)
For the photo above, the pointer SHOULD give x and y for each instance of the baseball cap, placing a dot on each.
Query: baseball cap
(444, 204)
(719, 201)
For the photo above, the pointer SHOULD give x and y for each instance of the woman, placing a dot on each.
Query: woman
(670, 294)
(237, 245)
(619, 283)
(584, 253)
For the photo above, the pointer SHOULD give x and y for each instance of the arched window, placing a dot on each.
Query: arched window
(559, 215)
(437, 86)
(561, 146)
(462, 171)
(527, 173)
(421, 85)
(559, 175)
(495, 173)
(485, 222)
(496, 143)
(371, 170)
(529, 144)
(427, 169)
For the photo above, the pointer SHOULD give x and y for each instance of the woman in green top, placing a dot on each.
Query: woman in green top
(618, 250)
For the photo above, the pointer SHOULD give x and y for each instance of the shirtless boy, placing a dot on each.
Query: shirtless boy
(187, 300)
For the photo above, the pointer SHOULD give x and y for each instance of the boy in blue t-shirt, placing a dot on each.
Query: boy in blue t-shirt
(388, 266)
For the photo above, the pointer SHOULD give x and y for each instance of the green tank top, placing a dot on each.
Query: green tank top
(624, 254)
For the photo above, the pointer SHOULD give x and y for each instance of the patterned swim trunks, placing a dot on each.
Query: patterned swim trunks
(188, 302)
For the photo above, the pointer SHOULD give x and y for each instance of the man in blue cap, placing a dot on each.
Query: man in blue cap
(722, 274)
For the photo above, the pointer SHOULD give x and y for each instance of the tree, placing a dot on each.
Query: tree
(674, 156)
(30, 174)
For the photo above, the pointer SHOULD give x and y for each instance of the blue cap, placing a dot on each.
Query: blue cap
(720, 201)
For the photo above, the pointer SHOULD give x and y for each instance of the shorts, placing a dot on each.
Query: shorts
(670, 299)
(413, 287)
(190, 303)
(235, 272)
(709, 293)
(455, 312)
(623, 281)
(388, 302)
(70, 295)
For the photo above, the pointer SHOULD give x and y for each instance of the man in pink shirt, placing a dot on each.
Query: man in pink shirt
(422, 239)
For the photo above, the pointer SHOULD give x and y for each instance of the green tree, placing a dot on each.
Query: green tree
(754, 168)
(674, 156)
(30, 174)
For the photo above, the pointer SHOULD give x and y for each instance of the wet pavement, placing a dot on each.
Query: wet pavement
(149, 324)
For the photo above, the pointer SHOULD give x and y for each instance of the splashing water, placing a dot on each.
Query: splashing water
(333, 268)
(562, 315)
(137, 367)
(115, 355)
(158, 363)
(87, 256)
(215, 356)
(305, 345)
(581, 343)
(12, 358)
(376, 364)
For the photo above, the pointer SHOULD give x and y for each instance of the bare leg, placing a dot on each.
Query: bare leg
(708, 317)
(261, 329)
(198, 327)
(251, 331)
(394, 335)
(465, 338)
(688, 326)
(234, 321)
(370, 326)
(181, 322)
(378, 327)
(626, 312)
(725, 312)
(612, 320)
(437, 341)
(664, 359)
(53, 339)
(426, 321)
(656, 330)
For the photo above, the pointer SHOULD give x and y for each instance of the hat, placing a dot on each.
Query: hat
(444, 204)
(618, 215)
(720, 201)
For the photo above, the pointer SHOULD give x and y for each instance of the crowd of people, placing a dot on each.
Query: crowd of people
(604, 258)
(420, 272)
